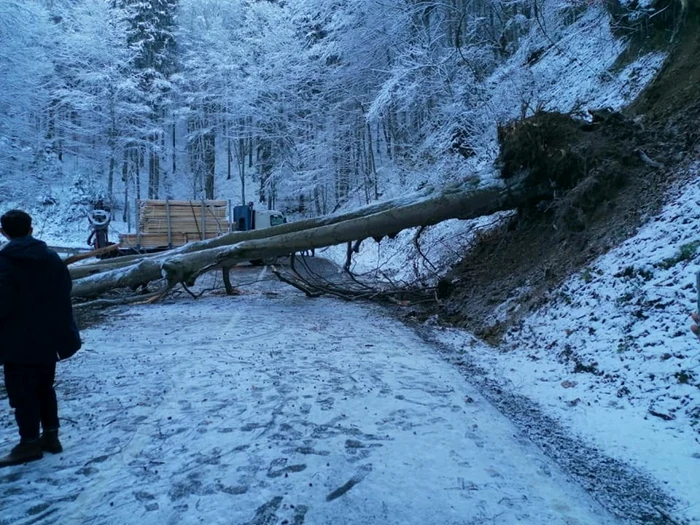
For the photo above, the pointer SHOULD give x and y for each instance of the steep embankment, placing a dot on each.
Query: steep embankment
(613, 175)
(588, 296)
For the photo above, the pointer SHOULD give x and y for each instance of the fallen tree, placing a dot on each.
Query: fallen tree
(237, 237)
(185, 264)
(451, 203)
(544, 157)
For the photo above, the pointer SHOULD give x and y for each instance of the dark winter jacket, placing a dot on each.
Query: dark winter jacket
(36, 316)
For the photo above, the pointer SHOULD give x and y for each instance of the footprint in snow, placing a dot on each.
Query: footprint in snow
(361, 473)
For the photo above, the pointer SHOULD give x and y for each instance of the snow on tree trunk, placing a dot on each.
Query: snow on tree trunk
(376, 221)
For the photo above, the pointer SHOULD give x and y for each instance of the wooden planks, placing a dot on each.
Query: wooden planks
(148, 241)
(166, 223)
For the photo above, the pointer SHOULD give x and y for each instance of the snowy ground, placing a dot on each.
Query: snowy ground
(611, 355)
(271, 408)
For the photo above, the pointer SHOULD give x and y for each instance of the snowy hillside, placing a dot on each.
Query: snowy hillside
(611, 354)
(575, 75)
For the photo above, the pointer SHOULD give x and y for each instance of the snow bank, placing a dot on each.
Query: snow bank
(611, 354)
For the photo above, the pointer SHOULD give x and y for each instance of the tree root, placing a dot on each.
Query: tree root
(648, 161)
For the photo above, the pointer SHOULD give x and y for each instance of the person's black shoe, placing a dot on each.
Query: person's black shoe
(23, 453)
(50, 442)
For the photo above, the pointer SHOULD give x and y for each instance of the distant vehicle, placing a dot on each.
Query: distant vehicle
(166, 224)
(246, 218)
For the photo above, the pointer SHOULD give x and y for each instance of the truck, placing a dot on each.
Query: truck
(246, 218)
(166, 224)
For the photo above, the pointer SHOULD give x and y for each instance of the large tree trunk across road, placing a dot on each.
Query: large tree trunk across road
(80, 272)
(428, 207)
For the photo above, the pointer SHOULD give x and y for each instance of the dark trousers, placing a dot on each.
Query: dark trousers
(31, 393)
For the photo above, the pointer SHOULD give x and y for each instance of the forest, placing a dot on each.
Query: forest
(519, 178)
(319, 104)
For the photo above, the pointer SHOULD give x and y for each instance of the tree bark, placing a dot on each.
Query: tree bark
(186, 263)
(80, 272)
(448, 205)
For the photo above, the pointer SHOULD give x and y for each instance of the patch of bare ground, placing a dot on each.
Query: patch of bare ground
(607, 177)
(87, 317)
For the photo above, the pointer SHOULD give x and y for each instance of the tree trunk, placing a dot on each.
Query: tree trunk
(110, 173)
(235, 237)
(112, 141)
(138, 155)
(229, 158)
(153, 168)
(376, 221)
(448, 205)
(125, 180)
(174, 157)
(209, 159)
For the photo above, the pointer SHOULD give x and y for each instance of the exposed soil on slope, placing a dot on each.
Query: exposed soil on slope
(607, 178)
(671, 102)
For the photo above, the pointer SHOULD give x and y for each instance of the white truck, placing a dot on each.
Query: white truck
(165, 224)
(246, 218)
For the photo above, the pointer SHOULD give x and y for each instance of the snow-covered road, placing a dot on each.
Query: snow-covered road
(271, 408)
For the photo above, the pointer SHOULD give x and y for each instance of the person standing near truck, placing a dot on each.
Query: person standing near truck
(37, 329)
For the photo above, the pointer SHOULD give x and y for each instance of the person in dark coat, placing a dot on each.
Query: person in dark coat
(37, 329)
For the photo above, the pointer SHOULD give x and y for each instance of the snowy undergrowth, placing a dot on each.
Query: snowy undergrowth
(579, 72)
(57, 202)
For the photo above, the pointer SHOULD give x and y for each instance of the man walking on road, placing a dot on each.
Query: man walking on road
(36, 330)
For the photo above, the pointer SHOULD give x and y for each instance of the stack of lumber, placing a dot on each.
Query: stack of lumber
(166, 223)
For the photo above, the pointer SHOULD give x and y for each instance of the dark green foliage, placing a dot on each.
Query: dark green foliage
(152, 36)
(684, 377)
(591, 368)
(445, 287)
(685, 253)
(630, 272)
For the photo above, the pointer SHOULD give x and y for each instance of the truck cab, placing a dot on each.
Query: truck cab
(246, 218)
